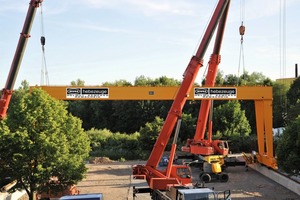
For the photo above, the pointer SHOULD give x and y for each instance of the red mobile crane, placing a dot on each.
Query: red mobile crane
(199, 145)
(14, 69)
(160, 180)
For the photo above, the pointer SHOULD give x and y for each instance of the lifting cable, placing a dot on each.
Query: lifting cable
(282, 56)
(44, 71)
(282, 38)
(242, 32)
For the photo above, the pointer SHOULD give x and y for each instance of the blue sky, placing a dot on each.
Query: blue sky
(108, 40)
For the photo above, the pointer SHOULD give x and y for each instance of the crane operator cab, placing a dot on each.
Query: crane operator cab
(182, 173)
(221, 147)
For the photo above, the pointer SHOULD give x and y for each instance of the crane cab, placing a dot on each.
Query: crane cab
(182, 173)
(221, 147)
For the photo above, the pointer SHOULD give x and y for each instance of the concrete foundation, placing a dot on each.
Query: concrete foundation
(277, 177)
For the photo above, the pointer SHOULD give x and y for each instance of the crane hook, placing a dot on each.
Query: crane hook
(242, 30)
(43, 40)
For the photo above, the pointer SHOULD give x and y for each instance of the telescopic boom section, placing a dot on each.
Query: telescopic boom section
(14, 69)
(188, 80)
(211, 78)
(200, 145)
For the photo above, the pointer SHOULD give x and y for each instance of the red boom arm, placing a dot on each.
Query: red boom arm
(10, 82)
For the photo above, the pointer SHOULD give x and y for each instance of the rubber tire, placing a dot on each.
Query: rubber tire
(200, 174)
(206, 178)
(224, 178)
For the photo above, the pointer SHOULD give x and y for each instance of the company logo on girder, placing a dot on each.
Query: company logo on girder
(215, 93)
(87, 93)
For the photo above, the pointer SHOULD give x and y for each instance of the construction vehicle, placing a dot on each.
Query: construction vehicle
(180, 175)
(199, 145)
(14, 69)
(186, 193)
(212, 165)
(212, 169)
(97, 196)
(8, 89)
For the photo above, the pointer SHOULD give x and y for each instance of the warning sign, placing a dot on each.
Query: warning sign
(215, 93)
(87, 93)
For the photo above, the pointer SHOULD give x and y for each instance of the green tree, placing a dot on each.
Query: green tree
(229, 120)
(120, 82)
(143, 81)
(150, 132)
(288, 145)
(188, 127)
(293, 94)
(78, 82)
(165, 81)
(161, 81)
(40, 140)
(279, 104)
(288, 148)
(293, 99)
(24, 85)
(255, 78)
(231, 79)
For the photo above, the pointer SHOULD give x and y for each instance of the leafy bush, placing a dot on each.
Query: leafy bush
(114, 145)
(288, 148)
(150, 132)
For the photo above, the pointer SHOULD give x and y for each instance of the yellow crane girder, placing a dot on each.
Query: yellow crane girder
(156, 93)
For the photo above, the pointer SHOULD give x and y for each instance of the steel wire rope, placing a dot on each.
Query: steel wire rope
(44, 71)
(242, 32)
(282, 57)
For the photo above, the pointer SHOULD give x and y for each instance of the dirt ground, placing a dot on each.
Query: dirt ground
(115, 181)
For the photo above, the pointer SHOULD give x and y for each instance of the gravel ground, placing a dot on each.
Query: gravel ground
(115, 181)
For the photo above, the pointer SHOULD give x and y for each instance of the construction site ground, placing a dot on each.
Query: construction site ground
(114, 180)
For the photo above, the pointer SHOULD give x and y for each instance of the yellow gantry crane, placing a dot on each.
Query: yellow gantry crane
(261, 95)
